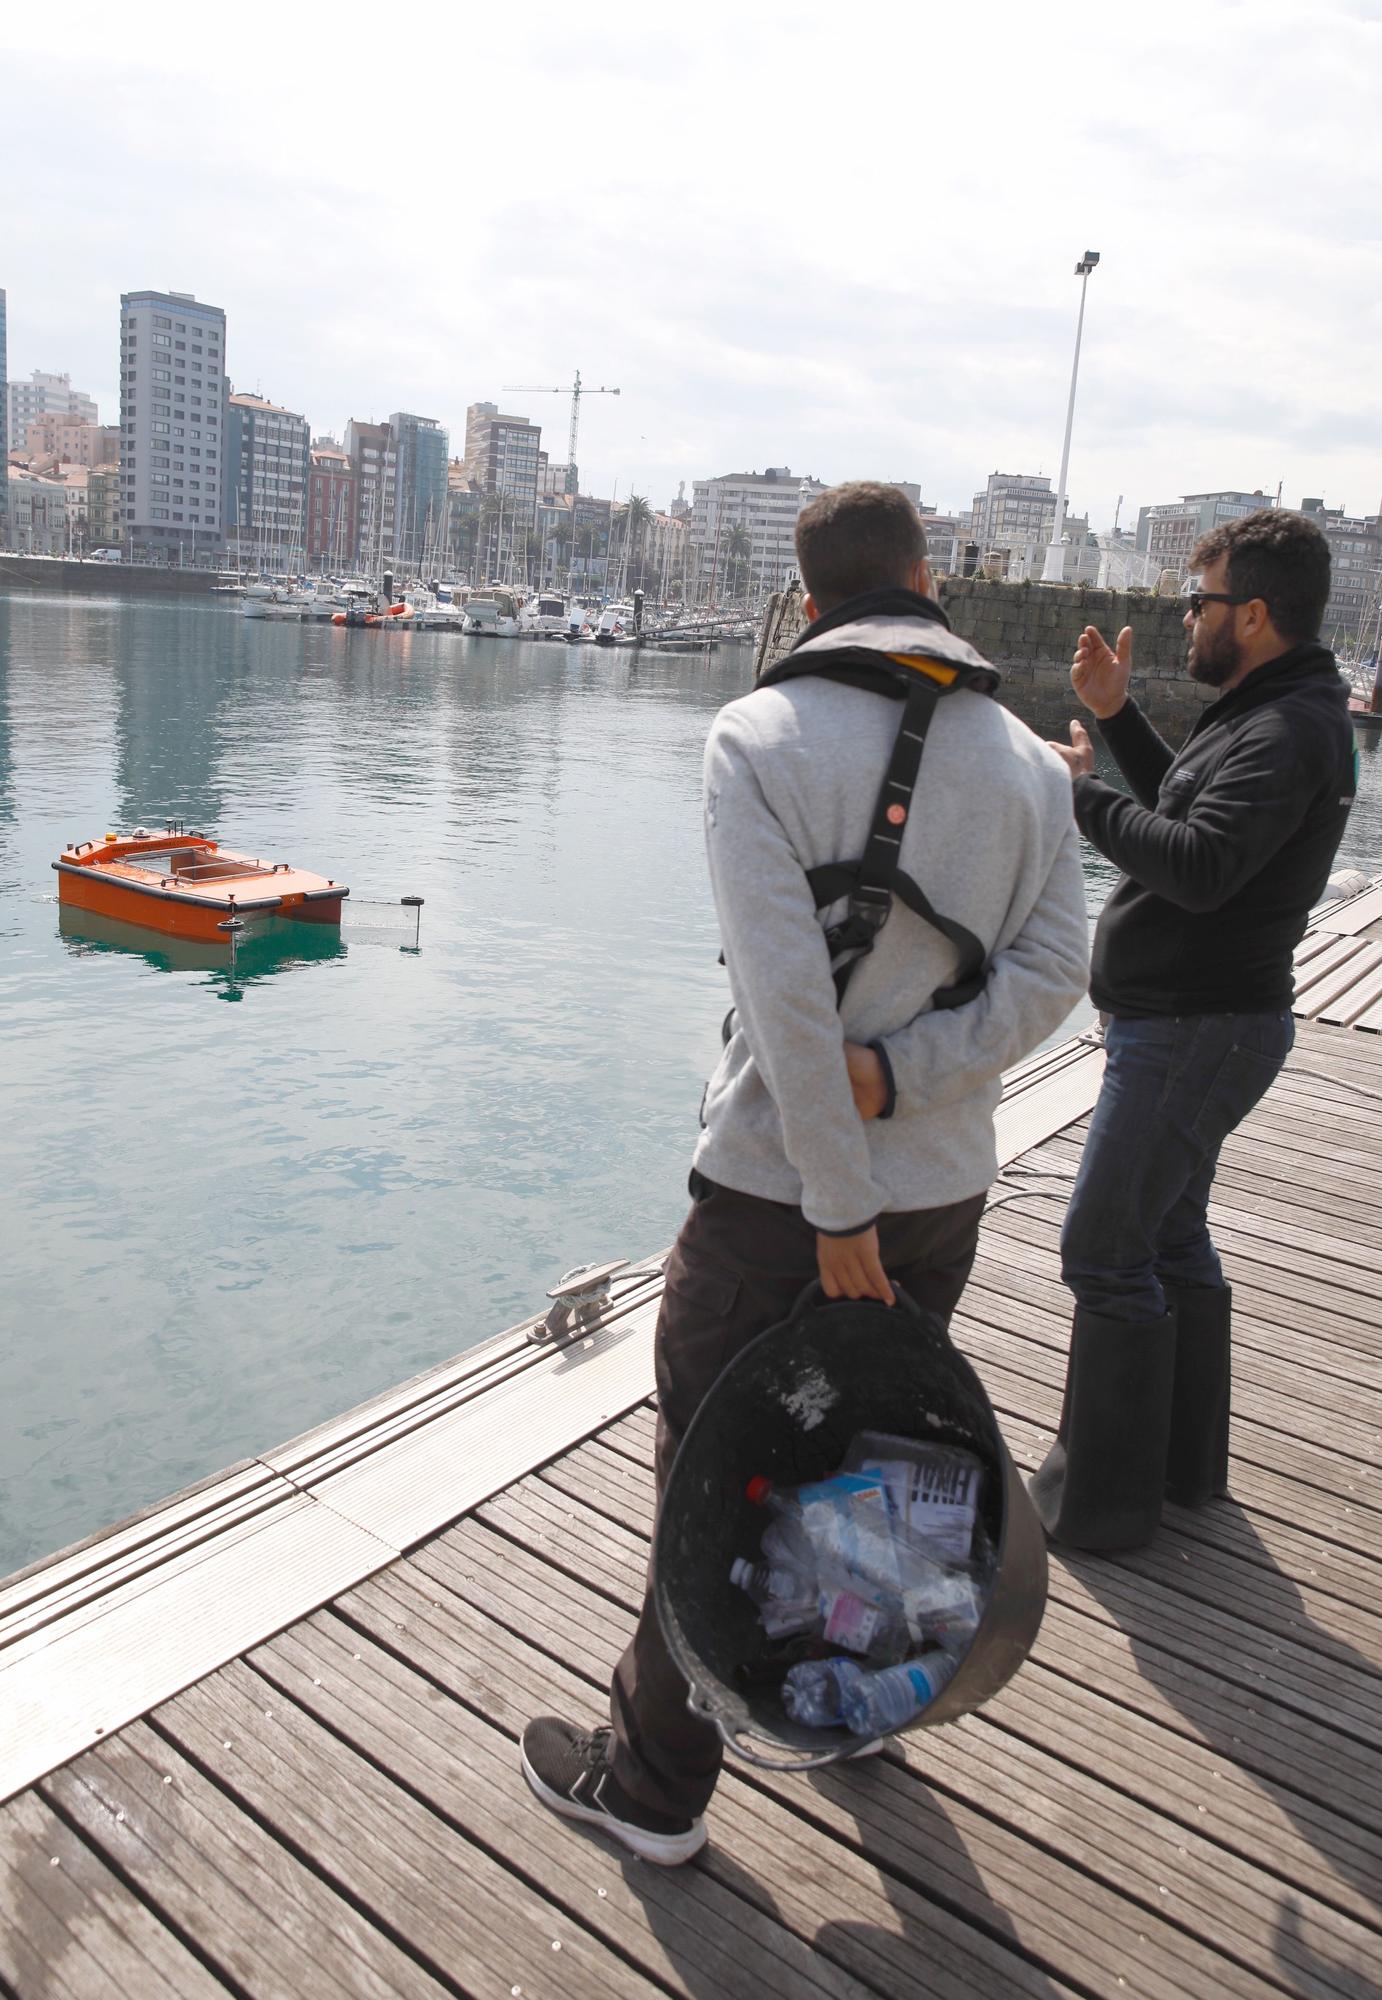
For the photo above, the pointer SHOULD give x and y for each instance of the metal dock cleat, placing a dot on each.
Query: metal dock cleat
(580, 1296)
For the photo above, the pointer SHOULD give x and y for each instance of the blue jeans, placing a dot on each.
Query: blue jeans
(1174, 1088)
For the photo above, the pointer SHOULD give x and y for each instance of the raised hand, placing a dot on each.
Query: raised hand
(1100, 672)
(1077, 755)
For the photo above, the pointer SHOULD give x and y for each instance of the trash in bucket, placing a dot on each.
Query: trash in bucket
(844, 1544)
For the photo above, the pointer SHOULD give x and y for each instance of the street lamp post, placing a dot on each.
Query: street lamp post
(1055, 554)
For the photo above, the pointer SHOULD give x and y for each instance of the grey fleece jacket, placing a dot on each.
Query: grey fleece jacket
(791, 777)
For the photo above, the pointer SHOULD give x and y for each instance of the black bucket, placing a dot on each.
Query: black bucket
(788, 1406)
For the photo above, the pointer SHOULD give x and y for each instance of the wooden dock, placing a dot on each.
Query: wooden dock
(262, 1741)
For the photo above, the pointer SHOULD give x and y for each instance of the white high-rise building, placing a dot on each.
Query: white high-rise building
(1016, 510)
(173, 403)
(743, 524)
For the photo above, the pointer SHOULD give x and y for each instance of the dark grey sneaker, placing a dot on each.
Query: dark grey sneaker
(569, 1770)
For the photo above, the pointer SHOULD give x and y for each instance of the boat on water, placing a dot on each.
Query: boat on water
(492, 613)
(187, 884)
(278, 597)
(617, 626)
(544, 616)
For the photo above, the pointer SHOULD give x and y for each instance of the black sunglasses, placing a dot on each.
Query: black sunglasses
(1197, 600)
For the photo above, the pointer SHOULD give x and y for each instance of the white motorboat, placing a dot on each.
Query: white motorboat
(492, 613)
(616, 626)
(278, 597)
(543, 616)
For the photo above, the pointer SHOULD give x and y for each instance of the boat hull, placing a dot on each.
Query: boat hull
(141, 882)
(197, 917)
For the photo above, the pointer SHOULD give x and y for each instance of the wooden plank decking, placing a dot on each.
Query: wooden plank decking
(1180, 1795)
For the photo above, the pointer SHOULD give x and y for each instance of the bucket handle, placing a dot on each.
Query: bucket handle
(734, 1740)
(736, 1743)
(814, 1295)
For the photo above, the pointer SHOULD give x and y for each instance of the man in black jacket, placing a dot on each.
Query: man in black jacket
(1224, 847)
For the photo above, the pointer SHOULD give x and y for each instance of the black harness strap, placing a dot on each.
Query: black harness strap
(872, 882)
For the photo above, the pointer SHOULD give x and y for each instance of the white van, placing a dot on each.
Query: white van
(107, 555)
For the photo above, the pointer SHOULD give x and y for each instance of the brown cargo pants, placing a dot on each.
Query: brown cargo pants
(738, 1267)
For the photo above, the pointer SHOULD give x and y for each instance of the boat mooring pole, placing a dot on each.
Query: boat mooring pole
(414, 903)
(232, 927)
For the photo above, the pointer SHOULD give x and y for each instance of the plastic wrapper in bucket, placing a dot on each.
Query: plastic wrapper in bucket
(786, 1409)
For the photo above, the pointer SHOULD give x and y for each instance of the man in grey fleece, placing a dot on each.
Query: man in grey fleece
(847, 1133)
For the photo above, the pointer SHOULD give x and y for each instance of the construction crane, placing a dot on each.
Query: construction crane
(575, 392)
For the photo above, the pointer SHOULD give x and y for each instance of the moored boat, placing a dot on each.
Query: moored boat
(544, 616)
(617, 627)
(188, 884)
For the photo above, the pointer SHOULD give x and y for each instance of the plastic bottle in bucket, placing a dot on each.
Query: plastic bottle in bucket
(873, 1703)
(845, 1531)
(825, 1694)
(788, 1602)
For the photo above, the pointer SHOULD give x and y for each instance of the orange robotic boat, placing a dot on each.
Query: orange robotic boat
(189, 885)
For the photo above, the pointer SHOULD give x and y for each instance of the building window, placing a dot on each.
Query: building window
(159, 513)
(159, 321)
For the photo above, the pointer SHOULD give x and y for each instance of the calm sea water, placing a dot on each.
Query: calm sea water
(233, 1208)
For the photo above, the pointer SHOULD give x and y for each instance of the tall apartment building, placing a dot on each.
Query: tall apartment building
(373, 460)
(423, 452)
(1167, 532)
(173, 403)
(266, 483)
(765, 505)
(333, 507)
(1355, 552)
(45, 396)
(1015, 510)
(501, 457)
(4, 429)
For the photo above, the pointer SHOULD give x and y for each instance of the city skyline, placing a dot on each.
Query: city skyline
(800, 255)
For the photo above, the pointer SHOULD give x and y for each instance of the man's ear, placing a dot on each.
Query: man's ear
(811, 608)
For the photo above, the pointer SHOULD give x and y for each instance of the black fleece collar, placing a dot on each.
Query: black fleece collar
(1306, 662)
(890, 602)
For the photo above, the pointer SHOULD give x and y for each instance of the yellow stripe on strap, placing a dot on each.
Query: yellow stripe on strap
(932, 669)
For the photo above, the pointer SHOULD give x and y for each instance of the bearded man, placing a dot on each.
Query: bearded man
(1224, 846)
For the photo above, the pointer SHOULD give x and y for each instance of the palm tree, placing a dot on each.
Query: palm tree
(738, 556)
(594, 538)
(635, 518)
(561, 538)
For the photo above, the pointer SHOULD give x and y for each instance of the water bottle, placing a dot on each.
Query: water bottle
(787, 1601)
(810, 1694)
(873, 1703)
(846, 1524)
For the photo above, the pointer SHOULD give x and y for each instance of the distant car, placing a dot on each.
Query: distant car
(107, 555)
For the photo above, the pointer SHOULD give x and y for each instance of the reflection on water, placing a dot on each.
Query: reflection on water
(222, 1226)
(272, 944)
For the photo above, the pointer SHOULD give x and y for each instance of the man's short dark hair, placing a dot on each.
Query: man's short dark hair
(1278, 556)
(863, 536)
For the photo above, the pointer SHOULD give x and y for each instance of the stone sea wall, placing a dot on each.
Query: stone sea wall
(98, 579)
(1029, 631)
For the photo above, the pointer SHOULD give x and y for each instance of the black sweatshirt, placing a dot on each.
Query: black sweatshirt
(1225, 846)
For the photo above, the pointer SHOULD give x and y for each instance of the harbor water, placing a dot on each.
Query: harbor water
(237, 1203)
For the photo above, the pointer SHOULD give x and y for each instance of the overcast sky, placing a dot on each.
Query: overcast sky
(837, 238)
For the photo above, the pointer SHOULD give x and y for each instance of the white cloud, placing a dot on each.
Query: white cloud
(836, 238)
